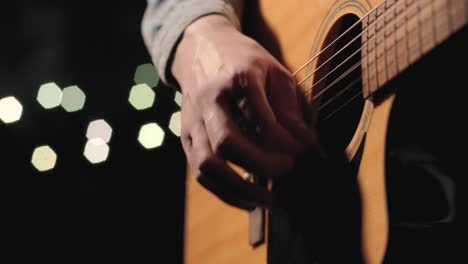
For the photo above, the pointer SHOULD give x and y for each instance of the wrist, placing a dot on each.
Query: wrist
(200, 33)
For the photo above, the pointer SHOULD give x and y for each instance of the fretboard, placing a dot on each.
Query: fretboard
(399, 32)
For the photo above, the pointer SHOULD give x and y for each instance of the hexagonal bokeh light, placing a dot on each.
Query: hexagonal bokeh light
(49, 95)
(99, 129)
(96, 150)
(175, 123)
(151, 136)
(73, 99)
(178, 99)
(141, 96)
(146, 73)
(10, 109)
(44, 158)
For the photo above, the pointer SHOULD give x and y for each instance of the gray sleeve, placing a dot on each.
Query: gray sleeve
(164, 21)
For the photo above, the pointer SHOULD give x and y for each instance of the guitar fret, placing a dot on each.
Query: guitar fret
(398, 32)
(426, 22)
(441, 20)
(381, 65)
(390, 42)
(380, 12)
(400, 39)
(400, 6)
(372, 53)
(457, 14)
(412, 26)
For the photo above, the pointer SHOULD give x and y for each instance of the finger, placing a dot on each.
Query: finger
(230, 144)
(215, 175)
(284, 98)
(276, 136)
(225, 179)
(195, 150)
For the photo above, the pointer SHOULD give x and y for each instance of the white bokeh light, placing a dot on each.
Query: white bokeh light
(151, 136)
(49, 95)
(175, 123)
(99, 129)
(141, 96)
(178, 98)
(10, 109)
(73, 99)
(44, 158)
(96, 150)
(146, 73)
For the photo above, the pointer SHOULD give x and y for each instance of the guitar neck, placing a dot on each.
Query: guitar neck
(397, 33)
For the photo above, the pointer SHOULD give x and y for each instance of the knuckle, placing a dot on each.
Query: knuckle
(186, 140)
(199, 177)
(200, 96)
(256, 61)
(214, 91)
(222, 142)
(204, 163)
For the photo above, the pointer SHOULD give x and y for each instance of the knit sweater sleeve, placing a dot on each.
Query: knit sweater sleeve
(164, 22)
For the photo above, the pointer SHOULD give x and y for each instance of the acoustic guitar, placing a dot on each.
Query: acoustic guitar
(344, 55)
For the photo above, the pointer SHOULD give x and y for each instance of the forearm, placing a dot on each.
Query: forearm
(164, 22)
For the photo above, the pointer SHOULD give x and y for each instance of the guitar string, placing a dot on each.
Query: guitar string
(351, 69)
(343, 48)
(334, 111)
(339, 37)
(343, 75)
(354, 53)
(342, 106)
(355, 38)
(349, 86)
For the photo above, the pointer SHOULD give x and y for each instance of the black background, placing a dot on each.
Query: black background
(129, 207)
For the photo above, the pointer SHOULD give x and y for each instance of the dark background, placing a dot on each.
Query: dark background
(128, 207)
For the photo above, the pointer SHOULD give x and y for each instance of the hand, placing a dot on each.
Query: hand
(239, 105)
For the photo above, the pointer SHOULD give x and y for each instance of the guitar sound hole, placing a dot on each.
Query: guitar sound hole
(338, 85)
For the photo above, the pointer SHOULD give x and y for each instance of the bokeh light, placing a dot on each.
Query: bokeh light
(141, 96)
(49, 95)
(146, 73)
(178, 99)
(44, 158)
(96, 150)
(99, 129)
(151, 136)
(175, 123)
(10, 109)
(73, 99)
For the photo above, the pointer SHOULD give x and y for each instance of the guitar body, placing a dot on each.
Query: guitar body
(295, 31)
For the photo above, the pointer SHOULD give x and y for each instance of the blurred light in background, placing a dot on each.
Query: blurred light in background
(44, 158)
(146, 73)
(73, 99)
(10, 109)
(151, 136)
(49, 95)
(178, 99)
(96, 150)
(141, 96)
(99, 129)
(175, 123)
